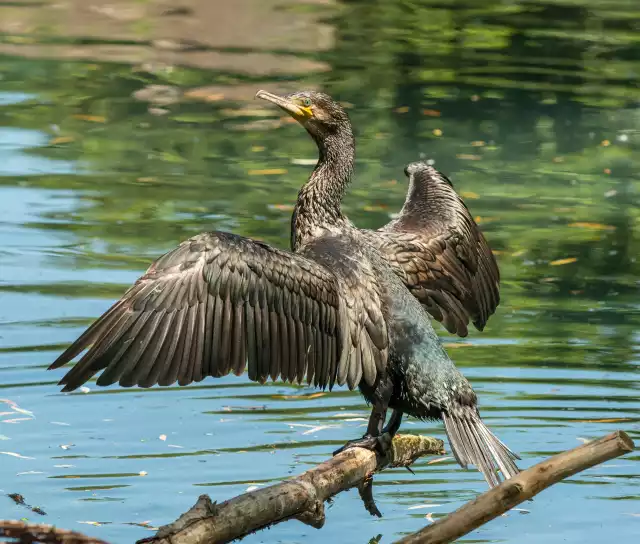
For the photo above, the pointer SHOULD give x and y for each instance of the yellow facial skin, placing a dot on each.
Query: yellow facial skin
(295, 108)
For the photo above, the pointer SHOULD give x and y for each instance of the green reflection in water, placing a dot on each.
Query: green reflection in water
(530, 107)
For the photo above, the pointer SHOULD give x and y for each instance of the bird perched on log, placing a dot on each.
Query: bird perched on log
(345, 306)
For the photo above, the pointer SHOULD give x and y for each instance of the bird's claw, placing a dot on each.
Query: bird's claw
(378, 444)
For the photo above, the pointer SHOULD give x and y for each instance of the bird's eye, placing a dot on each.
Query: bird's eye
(306, 102)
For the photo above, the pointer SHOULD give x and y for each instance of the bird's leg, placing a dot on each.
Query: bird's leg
(392, 427)
(372, 439)
(394, 423)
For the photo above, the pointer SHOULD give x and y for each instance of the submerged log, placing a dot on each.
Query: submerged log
(525, 485)
(299, 498)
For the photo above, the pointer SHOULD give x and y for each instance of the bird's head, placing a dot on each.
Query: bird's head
(317, 112)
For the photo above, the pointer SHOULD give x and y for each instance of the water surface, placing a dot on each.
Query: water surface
(123, 132)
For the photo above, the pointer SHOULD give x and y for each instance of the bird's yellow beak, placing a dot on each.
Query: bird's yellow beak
(298, 112)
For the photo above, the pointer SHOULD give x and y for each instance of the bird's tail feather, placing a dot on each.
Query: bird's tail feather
(473, 443)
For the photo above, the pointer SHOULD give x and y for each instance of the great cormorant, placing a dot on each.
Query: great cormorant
(345, 306)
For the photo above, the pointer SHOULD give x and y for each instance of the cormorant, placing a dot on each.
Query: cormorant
(338, 309)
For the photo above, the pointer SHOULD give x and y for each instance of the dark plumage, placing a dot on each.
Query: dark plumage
(334, 310)
(435, 246)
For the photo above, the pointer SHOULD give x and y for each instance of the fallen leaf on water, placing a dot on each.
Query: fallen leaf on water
(438, 460)
(479, 219)
(469, 194)
(468, 157)
(257, 148)
(519, 253)
(91, 118)
(315, 395)
(437, 132)
(143, 524)
(16, 497)
(605, 143)
(148, 179)
(454, 345)
(402, 109)
(478, 143)
(560, 262)
(431, 113)
(61, 140)
(281, 207)
(377, 208)
(607, 171)
(592, 226)
(268, 172)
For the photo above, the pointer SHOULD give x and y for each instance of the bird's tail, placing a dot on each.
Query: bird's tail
(473, 443)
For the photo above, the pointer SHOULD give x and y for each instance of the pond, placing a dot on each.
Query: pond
(128, 127)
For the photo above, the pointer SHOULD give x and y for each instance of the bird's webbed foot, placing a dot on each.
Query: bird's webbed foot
(379, 444)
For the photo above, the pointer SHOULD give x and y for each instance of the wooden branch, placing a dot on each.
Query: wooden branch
(299, 498)
(18, 531)
(525, 485)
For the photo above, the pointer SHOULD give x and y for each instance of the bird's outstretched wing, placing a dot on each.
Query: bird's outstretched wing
(437, 249)
(215, 304)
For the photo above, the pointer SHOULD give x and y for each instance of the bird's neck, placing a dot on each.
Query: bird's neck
(318, 208)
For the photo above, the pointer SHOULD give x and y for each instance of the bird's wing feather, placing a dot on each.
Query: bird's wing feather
(215, 304)
(437, 249)
(366, 339)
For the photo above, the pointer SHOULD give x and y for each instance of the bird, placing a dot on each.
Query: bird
(345, 306)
